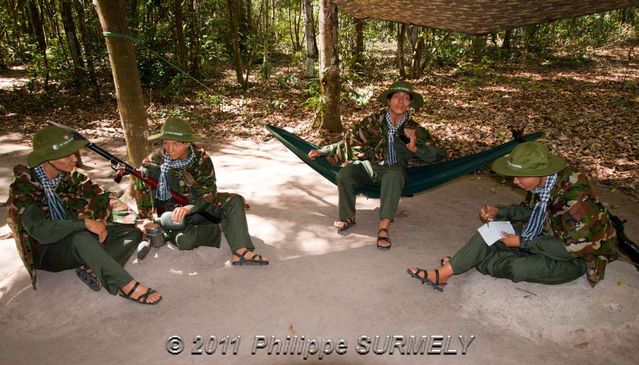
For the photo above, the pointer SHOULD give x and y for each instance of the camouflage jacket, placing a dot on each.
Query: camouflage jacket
(27, 204)
(368, 141)
(577, 217)
(197, 182)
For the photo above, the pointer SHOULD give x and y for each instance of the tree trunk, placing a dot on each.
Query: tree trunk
(72, 40)
(179, 33)
(329, 68)
(88, 52)
(234, 24)
(195, 40)
(401, 34)
(507, 37)
(128, 90)
(418, 53)
(309, 35)
(358, 49)
(38, 30)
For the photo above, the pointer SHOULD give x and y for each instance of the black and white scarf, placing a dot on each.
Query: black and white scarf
(56, 210)
(163, 192)
(391, 155)
(536, 222)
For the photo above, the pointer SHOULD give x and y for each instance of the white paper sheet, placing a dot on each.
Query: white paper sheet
(491, 232)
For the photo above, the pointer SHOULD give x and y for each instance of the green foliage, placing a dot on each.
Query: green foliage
(314, 98)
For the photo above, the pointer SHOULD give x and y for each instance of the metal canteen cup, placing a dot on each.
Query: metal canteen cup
(156, 237)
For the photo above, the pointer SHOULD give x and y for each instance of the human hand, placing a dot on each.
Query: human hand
(98, 227)
(510, 240)
(411, 133)
(488, 212)
(313, 154)
(180, 213)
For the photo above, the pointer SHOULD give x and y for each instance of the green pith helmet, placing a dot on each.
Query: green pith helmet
(402, 86)
(529, 159)
(52, 143)
(175, 129)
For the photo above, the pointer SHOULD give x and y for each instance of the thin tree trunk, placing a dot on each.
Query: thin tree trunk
(234, 14)
(401, 34)
(358, 49)
(38, 30)
(66, 13)
(195, 39)
(329, 67)
(88, 51)
(309, 35)
(179, 33)
(507, 37)
(128, 90)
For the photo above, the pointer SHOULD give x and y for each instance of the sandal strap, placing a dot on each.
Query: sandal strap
(143, 298)
(382, 230)
(135, 286)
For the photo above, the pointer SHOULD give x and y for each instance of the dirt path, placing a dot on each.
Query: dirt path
(320, 284)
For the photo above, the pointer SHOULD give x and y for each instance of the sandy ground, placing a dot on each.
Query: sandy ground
(320, 285)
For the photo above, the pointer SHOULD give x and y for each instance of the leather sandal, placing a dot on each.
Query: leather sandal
(435, 285)
(383, 239)
(142, 298)
(254, 260)
(88, 277)
(346, 224)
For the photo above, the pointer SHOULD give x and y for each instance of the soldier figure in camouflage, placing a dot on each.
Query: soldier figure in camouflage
(58, 218)
(567, 230)
(377, 152)
(183, 167)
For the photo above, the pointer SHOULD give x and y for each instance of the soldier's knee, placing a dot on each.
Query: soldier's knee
(84, 240)
(236, 199)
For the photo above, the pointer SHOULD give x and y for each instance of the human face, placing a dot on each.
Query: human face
(65, 164)
(175, 149)
(399, 103)
(529, 183)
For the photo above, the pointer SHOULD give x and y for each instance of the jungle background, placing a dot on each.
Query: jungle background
(256, 62)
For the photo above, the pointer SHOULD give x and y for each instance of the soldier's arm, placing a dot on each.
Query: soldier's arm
(425, 151)
(48, 231)
(205, 189)
(515, 213)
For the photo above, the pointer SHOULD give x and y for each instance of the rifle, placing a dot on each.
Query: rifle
(626, 246)
(128, 169)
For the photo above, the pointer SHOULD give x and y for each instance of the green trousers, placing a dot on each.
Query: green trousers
(200, 231)
(545, 260)
(106, 259)
(391, 180)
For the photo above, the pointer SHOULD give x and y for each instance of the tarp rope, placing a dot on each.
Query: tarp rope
(139, 41)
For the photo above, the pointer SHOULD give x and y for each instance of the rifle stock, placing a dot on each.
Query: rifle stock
(150, 182)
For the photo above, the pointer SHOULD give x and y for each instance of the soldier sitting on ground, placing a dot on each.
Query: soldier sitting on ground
(58, 218)
(183, 167)
(568, 231)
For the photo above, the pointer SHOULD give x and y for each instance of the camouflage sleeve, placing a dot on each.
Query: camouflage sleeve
(47, 231)
(143, 195)
(204, 190)
(97, 199)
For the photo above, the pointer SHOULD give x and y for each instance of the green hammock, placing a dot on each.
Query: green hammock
(419, 178)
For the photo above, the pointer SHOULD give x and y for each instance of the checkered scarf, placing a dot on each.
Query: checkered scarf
(391, 155)
(163, 192)
(56, 210)
(538, 217)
